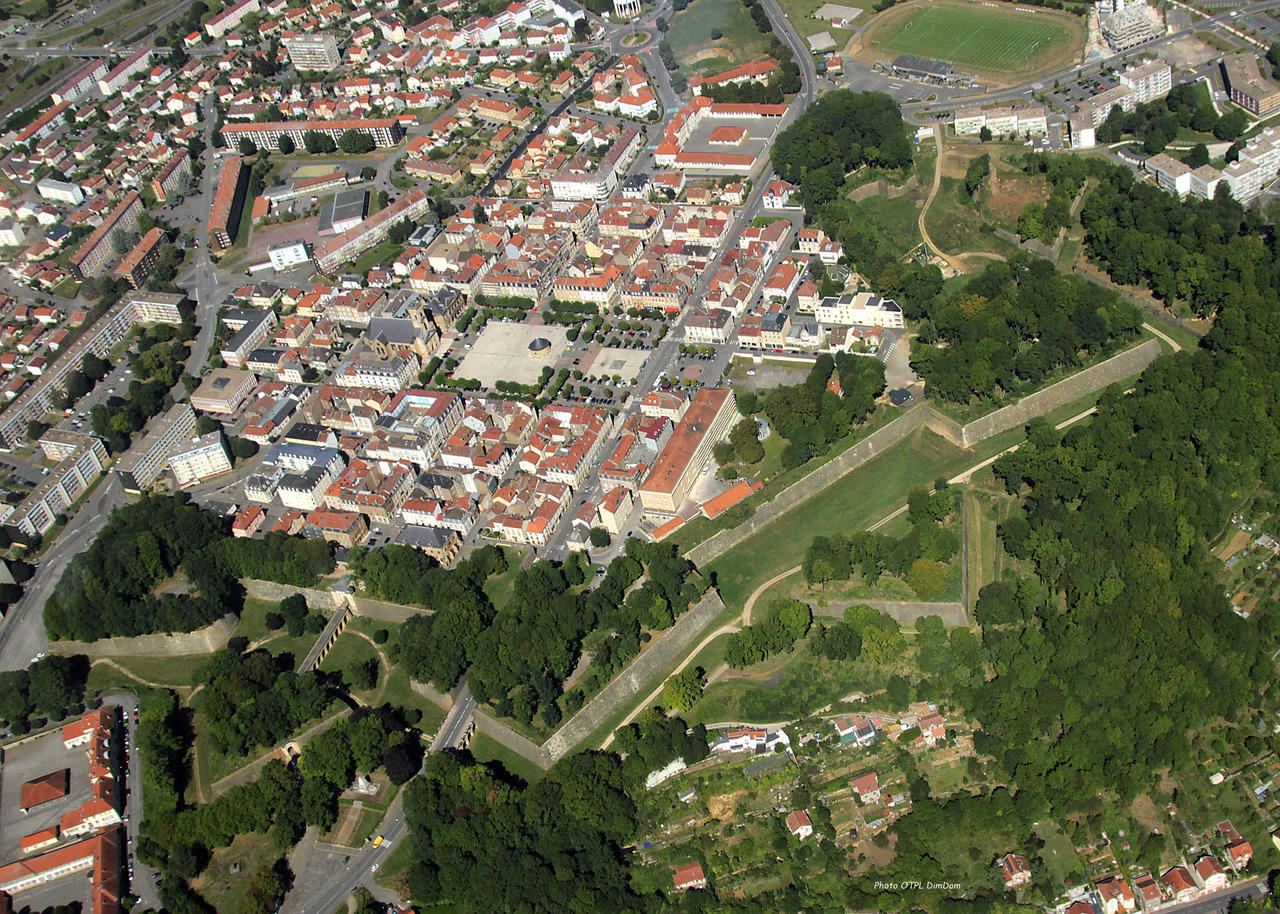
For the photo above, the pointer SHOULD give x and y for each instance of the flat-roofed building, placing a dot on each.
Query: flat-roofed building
(676, 468)
(384, 131)
(60, 191)
(58, 491)
(223, 390)
(38, 398)
(343, 211)
(1170, 174)
(1249, 88)
(1149, 81)
(312, 52)
(354, 242)
(143, 463)
(156, 307)
(200, 458)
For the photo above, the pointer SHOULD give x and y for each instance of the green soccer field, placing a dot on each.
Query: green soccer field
(972, 37)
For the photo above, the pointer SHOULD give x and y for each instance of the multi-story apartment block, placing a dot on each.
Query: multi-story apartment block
(199, 459)
(37, 399)
(80, 82)
(91, 258)
(137, 265)
(143, 463)
(112, 81)
(860, 309)
(312, 52)
(229, 18)
(65, 483)
(1249, 88)
(351, 244)
(384, 131)
(60, 191)
(668, 484)
(224, 215)
(156, 307)
(251, 328)
(174, 174)
(1148, 81)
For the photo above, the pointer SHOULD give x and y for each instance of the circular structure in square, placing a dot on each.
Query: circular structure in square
(505, 352)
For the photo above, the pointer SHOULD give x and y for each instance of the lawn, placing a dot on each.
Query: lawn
(994, 39)
(225, 890)
(500, 587)
(376, 256)
(790, 685)
(697, 50)
(800, 12)
(856, 500)
(487, 749)
(893, 217)
(1058, 853)
(179, 671)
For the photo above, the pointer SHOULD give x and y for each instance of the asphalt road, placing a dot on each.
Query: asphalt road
(22, 630)
(1220, 902)
(459, 718)
(360, 868)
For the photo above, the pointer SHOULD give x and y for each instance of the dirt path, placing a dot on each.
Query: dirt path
(955, 264)
(1177, 347)
(657, 693)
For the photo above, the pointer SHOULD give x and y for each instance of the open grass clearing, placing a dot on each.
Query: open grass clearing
(698, 51)
(224, 889)
(487, 749)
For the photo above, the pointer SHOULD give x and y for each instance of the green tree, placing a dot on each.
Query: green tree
(683, 690)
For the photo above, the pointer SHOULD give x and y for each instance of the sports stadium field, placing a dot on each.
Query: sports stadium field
(983, 38)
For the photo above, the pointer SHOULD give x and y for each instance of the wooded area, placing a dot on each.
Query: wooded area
(111, 588)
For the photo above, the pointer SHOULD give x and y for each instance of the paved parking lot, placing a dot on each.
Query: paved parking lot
(23, 763)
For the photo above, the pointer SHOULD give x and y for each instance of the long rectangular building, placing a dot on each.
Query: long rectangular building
(137, 264)
(1249, 88)
(98, 338)
(354, 242)
(143, 463)
(65, 483)
(386, 131)
(676, 469)
(228, 200)
(90, 259)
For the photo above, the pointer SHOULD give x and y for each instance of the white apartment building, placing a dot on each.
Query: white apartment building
(200, 459)
(860, 309)
(1257, 167)
(65, 483)
(60, 191)
(1001, 121)
(288, 254)
(1148, 81)
(143, 463)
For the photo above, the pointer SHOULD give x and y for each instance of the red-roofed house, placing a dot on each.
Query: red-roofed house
(1116, 896)
(1178, 884)
(867, 787)
(1015, 869)
(1211, 873)
(690, 876)
(799, 824)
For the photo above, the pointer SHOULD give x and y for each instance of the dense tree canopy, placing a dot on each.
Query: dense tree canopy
(842, 131)
(482, 844)
(1123, 639)
(1014, 324)
(111, 588)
